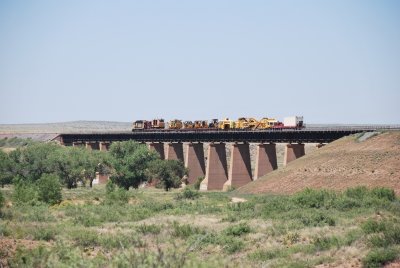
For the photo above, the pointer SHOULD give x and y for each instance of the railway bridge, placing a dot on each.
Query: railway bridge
(214, 167)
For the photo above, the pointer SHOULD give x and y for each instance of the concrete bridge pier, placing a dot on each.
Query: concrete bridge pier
(292, 152)
(175, 151)
(265, 159)
(194, 161)
(92, 145)
(78, 144)
(217, 168)
(158, 147)
(104, 146)
(240, 166)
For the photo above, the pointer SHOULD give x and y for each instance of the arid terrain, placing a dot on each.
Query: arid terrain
(344, 163)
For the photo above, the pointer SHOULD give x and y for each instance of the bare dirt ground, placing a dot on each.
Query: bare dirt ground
(344, 163)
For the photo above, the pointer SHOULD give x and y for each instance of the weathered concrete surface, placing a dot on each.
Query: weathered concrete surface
(266, 159)
(217, 168)
(240, 166)
(104, 146)
(194, 161)
(292, 152)
(78, 144)
(175, 151)
(158, 147)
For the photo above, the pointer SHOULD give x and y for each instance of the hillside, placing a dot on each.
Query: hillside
(348, 162)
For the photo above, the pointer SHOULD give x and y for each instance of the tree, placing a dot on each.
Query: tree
(6, 175)
(168, 172)
(49, 189)
(130, 161)
(29, 163)
(97, 161)
(73, 165)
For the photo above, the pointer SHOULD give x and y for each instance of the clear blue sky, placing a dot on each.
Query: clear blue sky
(330, 61)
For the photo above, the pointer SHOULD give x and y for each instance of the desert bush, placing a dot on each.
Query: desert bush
(316, 218)
(372, 226)
(45, 233)
(185, 230)
(120, 240)
(265, 255)
(325, 243)
(197, 183)
(115, 194)
(25, 193)
(379, 257)
(36, 257)
(148, 229)
(87, 219)
(310, 198)
(291, 238)
(384, 193)
(188, 193)
(2, 200)
(49, 189)
(238, 230)
(358, 193)
(230, 244)
(85, 237)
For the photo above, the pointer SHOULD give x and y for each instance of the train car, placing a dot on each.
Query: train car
(175, 124)
(141, 124)
(293, 122)
(158, 123)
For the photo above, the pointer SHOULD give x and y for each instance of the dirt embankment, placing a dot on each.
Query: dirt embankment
(347, 162)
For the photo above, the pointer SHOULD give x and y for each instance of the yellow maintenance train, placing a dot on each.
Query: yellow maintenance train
(224, 124)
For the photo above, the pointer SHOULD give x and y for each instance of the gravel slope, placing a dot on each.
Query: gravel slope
(344, 163)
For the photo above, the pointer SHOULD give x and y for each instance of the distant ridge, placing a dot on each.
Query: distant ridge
(65, 127)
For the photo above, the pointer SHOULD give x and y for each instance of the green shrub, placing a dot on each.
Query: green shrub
(230, 244)
(379, 257)
(384, 193)
(184, 230)
(25, 193)
(196, 185)
(265, 255)
(36, 257)
(87, 219)
(188, 193)
(149, 229)
(238, 230)
(85, 237)
(49, 189)
(291, 238)
(120, 240)
(44, 233)
(358, 193)
(317, 219)
(324, 243)
(372, 226)
(115, 194)
(2, 200)
(310, 198)
(385, 233)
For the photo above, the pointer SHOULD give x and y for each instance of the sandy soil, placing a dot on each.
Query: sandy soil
(341, 164)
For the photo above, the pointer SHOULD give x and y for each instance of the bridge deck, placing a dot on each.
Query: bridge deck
(306, 135)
